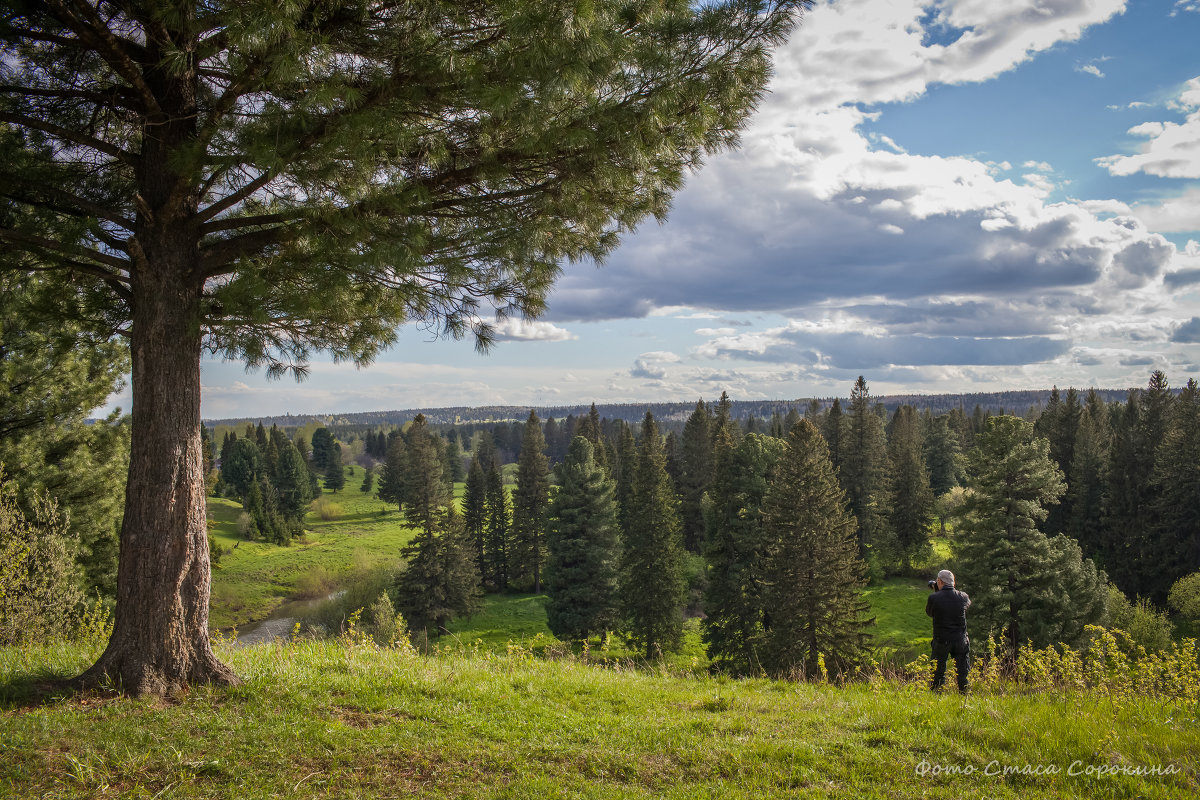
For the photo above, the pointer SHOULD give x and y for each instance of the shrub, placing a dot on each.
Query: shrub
(245, 526)
(326, 509)
(1185, 596)
(1146, 625)
(317, 582)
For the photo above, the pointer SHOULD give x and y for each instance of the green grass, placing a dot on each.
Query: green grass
(898, 605)
(318, 719)
(254, 578)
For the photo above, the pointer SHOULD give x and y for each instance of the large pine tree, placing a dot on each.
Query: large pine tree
(391, 478)
(475, 513)
(812, 597)
(424, 488)
(267, 180)
(530, 505)
(652, 588)
(583, 548)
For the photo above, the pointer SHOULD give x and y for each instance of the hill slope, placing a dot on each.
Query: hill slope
(321, 719)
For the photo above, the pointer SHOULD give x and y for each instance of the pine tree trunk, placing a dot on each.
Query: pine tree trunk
(160, 638)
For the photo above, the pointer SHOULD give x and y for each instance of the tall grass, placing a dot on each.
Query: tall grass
(330, 719)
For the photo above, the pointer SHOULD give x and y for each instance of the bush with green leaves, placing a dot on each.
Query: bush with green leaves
(1185, 596)
(39, 591)
(1146, 624)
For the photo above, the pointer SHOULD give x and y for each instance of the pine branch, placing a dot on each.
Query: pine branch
(65, 253)
(70, 136)
(115, 51)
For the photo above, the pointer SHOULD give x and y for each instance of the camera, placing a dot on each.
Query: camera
(932, 584)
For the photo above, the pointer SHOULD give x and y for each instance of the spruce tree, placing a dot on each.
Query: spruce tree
(734, 607)
(424, 488)
(912, 498)
(942, 450)
(454, 459)
(335, 473)
(322, 446)
(627, 458)
(582, 545)
(1089, 473)
(652, 588)
(813, 577)
(395, 467)
(241, 467)
(695, 475)
(833, 428)
(530, 505)
(497, 532)
(865, 473)
(1024, 586)
(1175, 540)
(368, 482)
(292, 486)
(475, 513)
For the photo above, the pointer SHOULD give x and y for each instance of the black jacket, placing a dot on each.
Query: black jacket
(948, 607)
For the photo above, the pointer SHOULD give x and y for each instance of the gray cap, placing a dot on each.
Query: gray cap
(946, 577)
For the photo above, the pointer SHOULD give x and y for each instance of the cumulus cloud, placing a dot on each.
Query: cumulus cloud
(1172, 150)
(515, 329)
(1186, 5)
(651, 366)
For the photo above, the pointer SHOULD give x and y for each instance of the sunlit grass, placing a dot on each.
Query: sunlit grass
(320, 719)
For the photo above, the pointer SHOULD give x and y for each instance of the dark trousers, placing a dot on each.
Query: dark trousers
(960, 649)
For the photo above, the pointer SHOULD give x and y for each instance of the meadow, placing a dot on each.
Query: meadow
(333, 718)
(500, 709)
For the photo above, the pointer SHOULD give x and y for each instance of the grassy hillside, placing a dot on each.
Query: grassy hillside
(323, 719)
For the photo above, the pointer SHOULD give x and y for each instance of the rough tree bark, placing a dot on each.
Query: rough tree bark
(160, 639)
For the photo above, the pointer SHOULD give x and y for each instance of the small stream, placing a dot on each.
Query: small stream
(283, 619)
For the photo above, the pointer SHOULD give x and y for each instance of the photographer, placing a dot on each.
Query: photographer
(948, 607)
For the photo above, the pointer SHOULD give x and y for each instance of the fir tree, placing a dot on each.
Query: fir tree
(1089, 470)
(652, 587)
(733, 600)
(695, 475)
(368, 482)
(395, 467)
(864, 474)
(475, 513)
(439, 581)
(942, 452)
(530, 505)
(335, 474)
(582, 548)
(1175, 542)
(322, 447)
(241, 467)
(424, 488)
(627, 458)
(833, 428)
(497, 532)
(454, 459)
(912, 498)
(813, 577)
(292, 485)
(1024, 586)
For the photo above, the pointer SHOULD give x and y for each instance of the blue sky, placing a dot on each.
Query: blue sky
(942, 196)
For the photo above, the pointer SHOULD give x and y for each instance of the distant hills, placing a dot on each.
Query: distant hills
(1017, 402)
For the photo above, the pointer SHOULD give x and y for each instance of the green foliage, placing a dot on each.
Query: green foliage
(652, 587)
(864, 474)
(335, 472)
(1023, 585)
(1147, 626)
(695, 475)
(1185, 596)
(424, 488)
(52, 375)
(912, 497)
(497, 531)
(1174, 549)
(734, 605)
(814, 615)
(440, 581)
(530, 507)
(582, 548)
(38, 591)
(391, 479)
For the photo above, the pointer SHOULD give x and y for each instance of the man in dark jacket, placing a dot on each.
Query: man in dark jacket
(948, 607)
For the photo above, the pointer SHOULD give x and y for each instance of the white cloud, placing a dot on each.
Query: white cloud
(1090, 69)
(1173, 149)
(1185, 5)
(515, 329)
(1040, 166)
